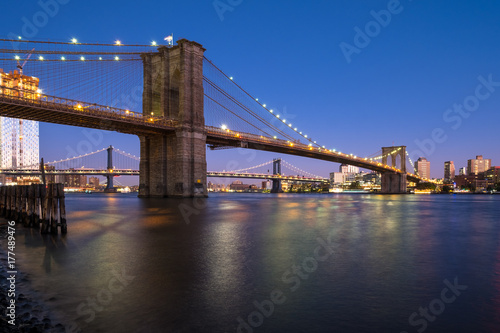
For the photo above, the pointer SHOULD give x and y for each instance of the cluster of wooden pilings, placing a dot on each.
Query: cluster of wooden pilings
(34, 205)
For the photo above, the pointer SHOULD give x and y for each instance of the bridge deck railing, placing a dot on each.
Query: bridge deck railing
(16, 96)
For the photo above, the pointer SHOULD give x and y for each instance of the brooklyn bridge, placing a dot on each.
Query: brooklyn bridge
(187, 104)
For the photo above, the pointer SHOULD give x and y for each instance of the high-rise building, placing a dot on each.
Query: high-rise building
(19, 138)
(449, 170)
(94, 182)
(345, 168)
(75, 180)
(462, 171)
(478, 165)
(423, 168)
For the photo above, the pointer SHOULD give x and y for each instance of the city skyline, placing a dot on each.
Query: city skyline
(372, 89)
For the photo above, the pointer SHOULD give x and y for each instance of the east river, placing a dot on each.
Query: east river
(270, 263)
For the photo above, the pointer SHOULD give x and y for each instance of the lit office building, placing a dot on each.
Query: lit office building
(478, 165)
(449, 170)
(423, 168)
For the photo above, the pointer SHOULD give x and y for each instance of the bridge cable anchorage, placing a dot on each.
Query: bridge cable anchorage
(253, 167)
(256, 101)
(293, 167)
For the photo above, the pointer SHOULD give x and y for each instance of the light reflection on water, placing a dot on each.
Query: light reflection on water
(202, 270)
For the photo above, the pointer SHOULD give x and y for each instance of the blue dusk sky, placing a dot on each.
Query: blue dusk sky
(354, 75)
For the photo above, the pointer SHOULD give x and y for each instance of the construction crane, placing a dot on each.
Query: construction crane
(24, 63)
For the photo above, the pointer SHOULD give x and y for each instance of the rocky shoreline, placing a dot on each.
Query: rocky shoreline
(31, 315)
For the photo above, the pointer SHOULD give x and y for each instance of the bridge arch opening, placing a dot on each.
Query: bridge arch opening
(174, 95)
(157, 94)
(397, 160)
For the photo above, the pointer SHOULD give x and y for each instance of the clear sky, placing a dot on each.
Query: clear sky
(355, 75)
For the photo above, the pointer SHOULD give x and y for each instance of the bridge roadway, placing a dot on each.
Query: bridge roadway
(70, 172)
(57, 110)
(128, 172)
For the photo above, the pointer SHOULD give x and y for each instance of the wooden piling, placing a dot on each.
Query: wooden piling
(62, 208)
(54, 216)
(3, 194)
(45, 216)
(35, 204)
(23, 218)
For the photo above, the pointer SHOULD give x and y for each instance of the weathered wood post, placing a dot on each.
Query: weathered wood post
(62, 208)
(34, 204)
(45, 216)
(18, 204)
(3, 200)
(53, 208)
(37, 209)
(24, 202)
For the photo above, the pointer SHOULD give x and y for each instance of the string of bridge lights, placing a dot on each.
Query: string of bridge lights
(411, 162)
(383, 156)
(77, 157)
(121, 152)
(278, 116)
(253, 167)
(294, 168)
(270, 111)
(74, 41)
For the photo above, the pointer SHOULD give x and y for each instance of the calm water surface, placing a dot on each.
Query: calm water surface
(330, 263)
